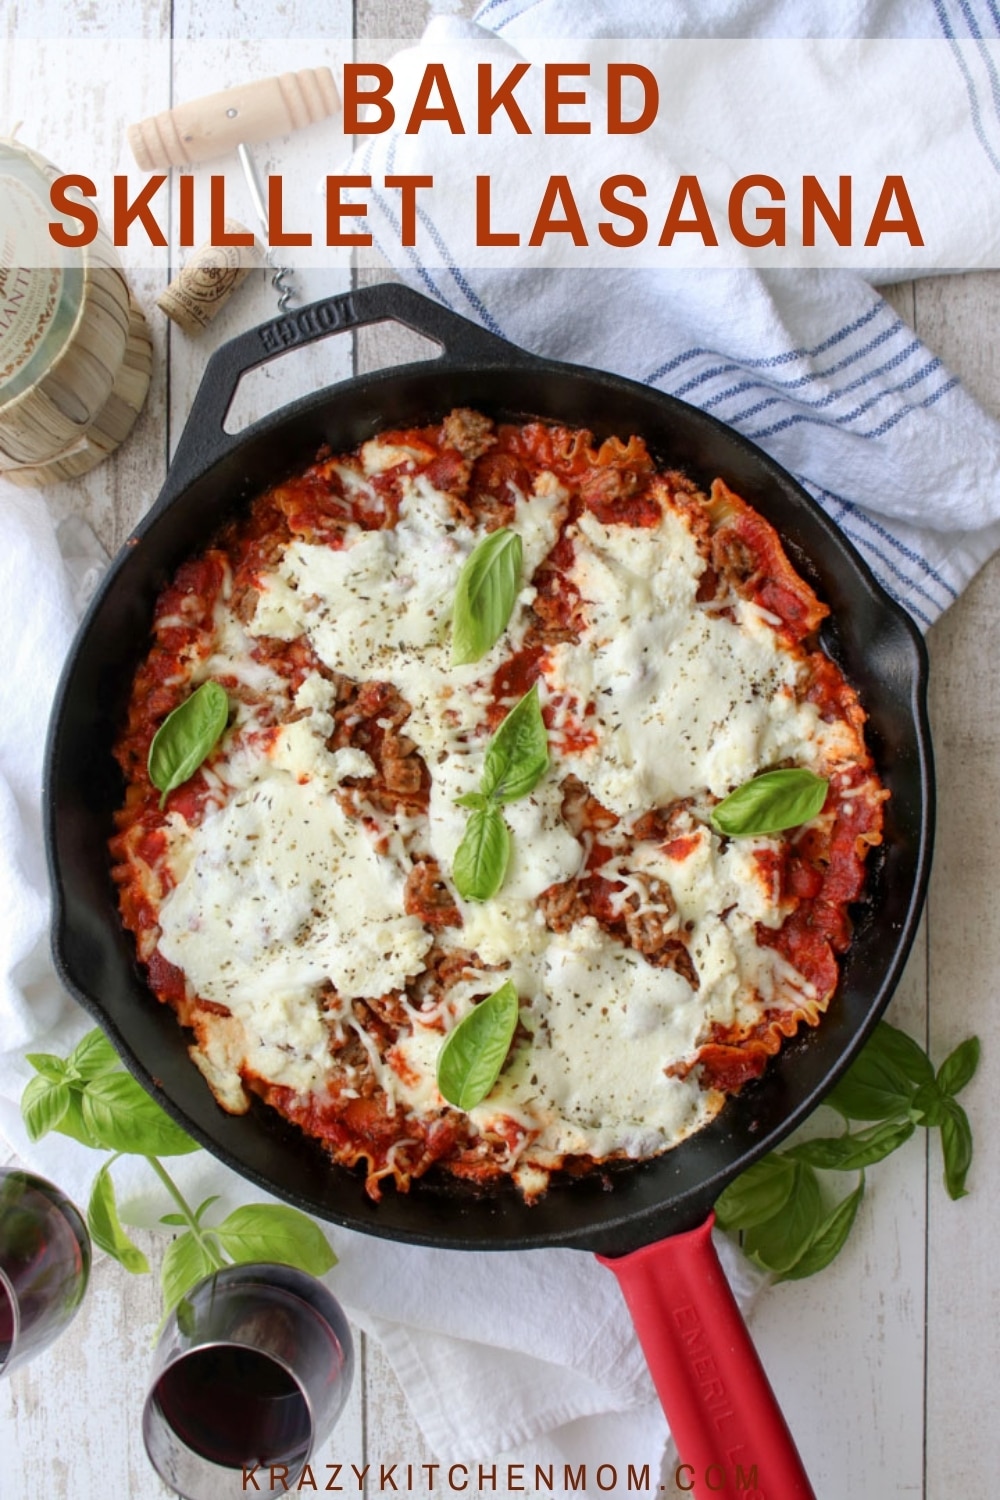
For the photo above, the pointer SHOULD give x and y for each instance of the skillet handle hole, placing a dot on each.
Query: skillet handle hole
(303, 370)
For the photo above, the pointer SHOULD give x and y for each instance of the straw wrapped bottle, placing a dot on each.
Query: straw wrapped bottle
(75, 352)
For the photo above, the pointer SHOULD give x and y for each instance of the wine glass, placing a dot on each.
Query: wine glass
(44, 1265)
(251, 1371)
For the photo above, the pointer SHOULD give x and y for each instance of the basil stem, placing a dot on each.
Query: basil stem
(485, 595)
(187, 737)
(770, 803)
(469, 1063)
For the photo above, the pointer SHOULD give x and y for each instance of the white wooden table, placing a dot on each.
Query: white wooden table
(888, 1364)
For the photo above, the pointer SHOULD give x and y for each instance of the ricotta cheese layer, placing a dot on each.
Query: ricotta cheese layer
(295, 900)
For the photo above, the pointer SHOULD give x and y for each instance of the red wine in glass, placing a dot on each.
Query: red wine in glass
(236, 1407)
(44, 1265)
(252, 1368)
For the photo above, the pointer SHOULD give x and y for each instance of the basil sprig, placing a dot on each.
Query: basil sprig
(485, 595)
(186, 737)
(780, 1206)
(770, 803)
(90, 1097)
(469, 1063)
(516, 759)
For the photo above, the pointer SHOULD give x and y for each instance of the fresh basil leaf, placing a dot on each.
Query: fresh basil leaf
(485, 595)
(779, 1243)
(123, 1117)
(851, 1153)
(185, 1262)
(956, 1145)
(927, 1107)
(51, 1067)
(43, 1105)
(186, 737)
(482, 857)
(203, 1206)
(771, 802)
(175, 1220)
(270, 1231)
(829, 1239)
(469, 1063)
(895, 1047)
(93, 1055)
(958, 1067)
(74, 1125)
(105, 1226)
(874, 1087)
(757, 1194)
(517, 756)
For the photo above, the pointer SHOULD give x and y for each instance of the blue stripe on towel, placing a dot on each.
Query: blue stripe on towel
(394, 224)
(970, 87)
(872, 432)
(873, 559)
(842, 419)
(831, 396)
(811, 376)
(511, 16)
(888, 537)
(984, 53)
(772, 361)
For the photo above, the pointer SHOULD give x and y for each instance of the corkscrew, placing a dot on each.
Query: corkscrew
(280, 275)
(208, 127)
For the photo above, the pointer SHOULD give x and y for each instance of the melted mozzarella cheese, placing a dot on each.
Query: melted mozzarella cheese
(605, 1025)
(279, 892)
(684, 701)
(380, 608)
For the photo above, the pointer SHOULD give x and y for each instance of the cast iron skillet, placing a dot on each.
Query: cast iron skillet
(686, 1337)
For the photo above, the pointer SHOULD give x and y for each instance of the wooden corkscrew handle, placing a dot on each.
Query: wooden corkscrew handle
(218, 123)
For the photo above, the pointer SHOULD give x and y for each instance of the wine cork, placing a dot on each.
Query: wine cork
(208, 280)
(211, 126)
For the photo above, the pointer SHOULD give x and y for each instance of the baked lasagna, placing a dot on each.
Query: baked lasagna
(296, 898)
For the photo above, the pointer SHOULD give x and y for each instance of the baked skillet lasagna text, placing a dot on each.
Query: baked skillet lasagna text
(297, 899)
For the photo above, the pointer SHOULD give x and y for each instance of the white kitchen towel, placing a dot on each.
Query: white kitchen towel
(817, 368)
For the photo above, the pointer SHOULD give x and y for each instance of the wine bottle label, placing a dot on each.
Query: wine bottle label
(30, 293)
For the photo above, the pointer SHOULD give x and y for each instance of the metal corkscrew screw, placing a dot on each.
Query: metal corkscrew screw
(280, 275)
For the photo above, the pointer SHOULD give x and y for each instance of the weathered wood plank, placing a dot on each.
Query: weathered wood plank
(963, 1300)
(963, 1334)
(850, 1341)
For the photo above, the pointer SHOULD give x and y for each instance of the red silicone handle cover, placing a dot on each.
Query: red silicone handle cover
(718, 1401)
